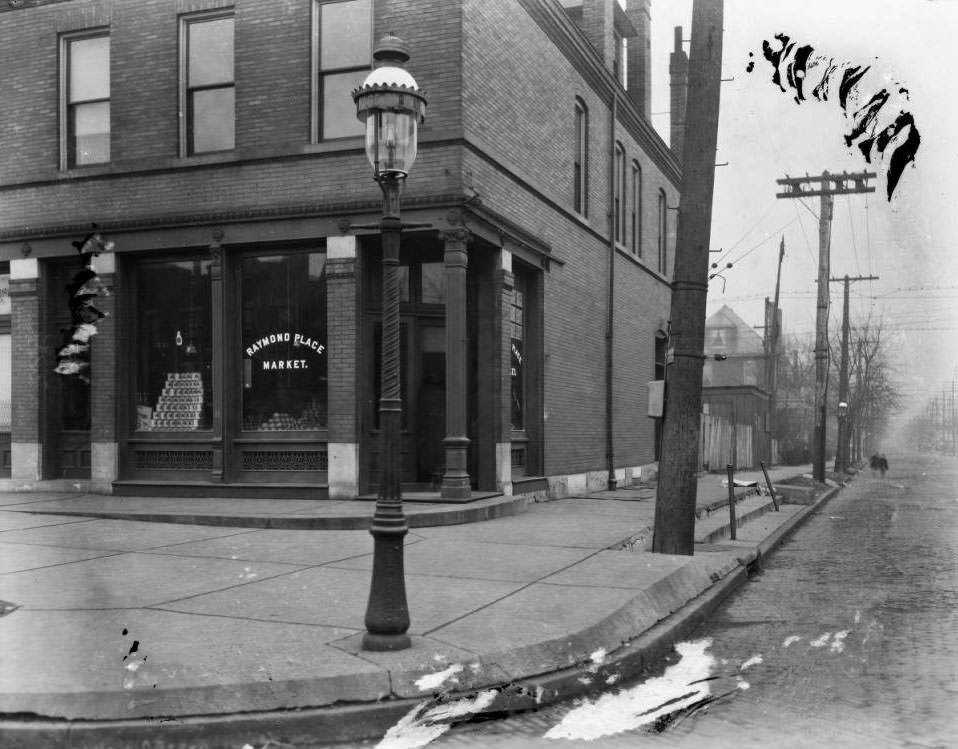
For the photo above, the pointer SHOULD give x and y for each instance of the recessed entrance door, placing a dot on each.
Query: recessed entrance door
(423, 393)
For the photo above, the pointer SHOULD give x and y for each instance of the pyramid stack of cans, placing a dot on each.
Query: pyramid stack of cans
(179, 405)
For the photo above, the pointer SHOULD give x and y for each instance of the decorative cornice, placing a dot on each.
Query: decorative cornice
(176, 220)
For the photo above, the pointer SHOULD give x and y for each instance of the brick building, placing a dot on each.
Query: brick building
(215, 144)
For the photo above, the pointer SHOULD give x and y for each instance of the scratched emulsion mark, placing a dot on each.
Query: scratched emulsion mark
(136, 674)
(874, 126)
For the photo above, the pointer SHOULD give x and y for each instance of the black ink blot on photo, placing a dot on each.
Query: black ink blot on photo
(874, 126)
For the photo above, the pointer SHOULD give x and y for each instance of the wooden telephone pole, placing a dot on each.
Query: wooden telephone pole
(674, 531)
(841, 447)
(826, 187)
(771, 350)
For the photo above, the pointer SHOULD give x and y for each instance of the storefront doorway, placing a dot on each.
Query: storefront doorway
(423, 368)
(66, 445)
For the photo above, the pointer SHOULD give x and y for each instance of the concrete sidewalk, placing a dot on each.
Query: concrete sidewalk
(112, 631)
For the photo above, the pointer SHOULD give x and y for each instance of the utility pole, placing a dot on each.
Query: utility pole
(841, 448)
(826, 187)
(771, 352)
(674, 530)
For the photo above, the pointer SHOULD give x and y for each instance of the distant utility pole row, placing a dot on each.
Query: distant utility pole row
(826, 187)
(841, 445)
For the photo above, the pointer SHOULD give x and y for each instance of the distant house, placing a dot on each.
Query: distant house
(735, 397)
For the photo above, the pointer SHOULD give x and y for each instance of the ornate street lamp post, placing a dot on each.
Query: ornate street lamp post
(392, 106)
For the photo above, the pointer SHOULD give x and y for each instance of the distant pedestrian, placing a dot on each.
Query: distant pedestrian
(874, 463)
(882, 464)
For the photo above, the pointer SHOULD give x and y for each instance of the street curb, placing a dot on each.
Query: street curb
(350, 722)
(496, 508)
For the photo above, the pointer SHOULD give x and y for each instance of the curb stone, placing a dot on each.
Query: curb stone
(349, 722)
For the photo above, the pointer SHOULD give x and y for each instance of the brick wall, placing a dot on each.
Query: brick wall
(25, 321)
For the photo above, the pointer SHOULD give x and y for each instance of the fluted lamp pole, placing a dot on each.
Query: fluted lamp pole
(392, 106)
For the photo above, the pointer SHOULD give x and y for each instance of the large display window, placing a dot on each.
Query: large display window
(284, 342)
(174, 368)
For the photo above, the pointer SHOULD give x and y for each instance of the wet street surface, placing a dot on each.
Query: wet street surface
(848, 637)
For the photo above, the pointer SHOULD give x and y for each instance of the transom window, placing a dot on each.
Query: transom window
(208, 95)
(342, 50)
(86, 99)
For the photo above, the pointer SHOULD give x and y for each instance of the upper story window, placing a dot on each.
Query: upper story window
(663, 230)
(85, 106)
(581, 159)
(636, 209)
(208, 87)
(342, 50)
(619, 193)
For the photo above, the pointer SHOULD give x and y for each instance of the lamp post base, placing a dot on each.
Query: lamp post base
(381, 643)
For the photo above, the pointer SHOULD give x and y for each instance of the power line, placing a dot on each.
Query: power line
(851, 225)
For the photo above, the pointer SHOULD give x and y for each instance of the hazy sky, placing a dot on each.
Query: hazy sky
(910, 242)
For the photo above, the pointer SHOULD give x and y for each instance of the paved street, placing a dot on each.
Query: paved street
(847, 638)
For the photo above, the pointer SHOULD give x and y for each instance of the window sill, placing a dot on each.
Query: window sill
(352, 143)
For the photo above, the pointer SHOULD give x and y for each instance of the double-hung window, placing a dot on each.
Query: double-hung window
(619, 193)
(208, 88)
(342, 50)
(663, 231)
(636, 209)
(580, 201)
(85, 75)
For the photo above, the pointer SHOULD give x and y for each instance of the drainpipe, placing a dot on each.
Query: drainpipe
(609, 438)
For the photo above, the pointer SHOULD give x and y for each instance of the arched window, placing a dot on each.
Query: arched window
(663, 231)
(618, 193)
(581, 159)
(636, 209)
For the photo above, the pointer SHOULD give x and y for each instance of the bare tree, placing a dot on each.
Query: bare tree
(874, 393)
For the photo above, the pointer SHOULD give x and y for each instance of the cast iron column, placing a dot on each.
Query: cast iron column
(455, 479)
(387, 614)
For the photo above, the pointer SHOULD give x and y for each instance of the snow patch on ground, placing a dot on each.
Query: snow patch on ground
(838, 641)
(643, 703)
(423, 724)
(790, 640)
(821, 641)
(432, 681)
(753, 661)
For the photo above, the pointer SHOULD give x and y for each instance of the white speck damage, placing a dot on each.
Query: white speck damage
(790, 640)
(679, 687)
(753, 661)
(431, 681)
(838, 641)
(423, 724)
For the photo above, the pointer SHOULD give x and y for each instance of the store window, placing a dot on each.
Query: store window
(342, 51)
(284, 342)
(85, 108)
(175, 346)
(208, 89)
